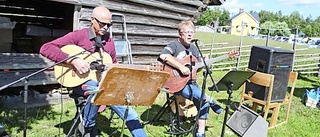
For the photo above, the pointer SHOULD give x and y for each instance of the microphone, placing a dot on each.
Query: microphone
(98, 42)
(194, 40)
(97, 66)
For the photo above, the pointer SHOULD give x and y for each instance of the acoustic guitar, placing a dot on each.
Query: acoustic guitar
(68, 76)
(177, 80)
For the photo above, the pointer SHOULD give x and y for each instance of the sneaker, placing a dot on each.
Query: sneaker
(200, 135)
(88, 131)
(216, 108)
(81, 128)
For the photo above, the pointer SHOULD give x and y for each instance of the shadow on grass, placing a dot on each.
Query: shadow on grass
(305, 78)
(154, 116)
(13, 118)
(104, 125)
(160, 116)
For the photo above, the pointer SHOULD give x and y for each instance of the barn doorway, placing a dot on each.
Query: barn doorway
(27, 24)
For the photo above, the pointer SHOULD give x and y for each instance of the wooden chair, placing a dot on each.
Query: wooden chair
(287, 100)
(262, 79)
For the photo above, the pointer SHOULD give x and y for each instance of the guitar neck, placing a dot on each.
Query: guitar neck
(210, 61)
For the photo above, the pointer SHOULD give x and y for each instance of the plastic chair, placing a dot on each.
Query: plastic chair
(266, 80)
(123, 45)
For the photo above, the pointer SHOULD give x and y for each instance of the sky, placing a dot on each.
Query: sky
(304, 7)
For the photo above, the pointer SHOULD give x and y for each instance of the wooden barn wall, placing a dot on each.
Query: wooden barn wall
(151, 24)
(22, 66)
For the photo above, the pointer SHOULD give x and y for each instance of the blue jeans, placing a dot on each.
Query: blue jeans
(91, 111)
(193, 92)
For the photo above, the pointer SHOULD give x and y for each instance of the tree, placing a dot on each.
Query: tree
(307, 30)
(265, 26)
(280, 24)
(281, 28)
(275, 28)
(265, 16)
(213, 15)
(294, 19)
(224, 17)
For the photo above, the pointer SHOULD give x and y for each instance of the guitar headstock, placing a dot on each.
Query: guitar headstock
(233, 53)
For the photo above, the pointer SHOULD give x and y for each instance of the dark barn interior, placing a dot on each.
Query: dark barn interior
(26, 24)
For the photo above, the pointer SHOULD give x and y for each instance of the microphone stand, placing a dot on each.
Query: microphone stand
(203, 87)
(25, 79)
(214, 85)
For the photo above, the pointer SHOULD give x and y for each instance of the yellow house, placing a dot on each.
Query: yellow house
(248, 22)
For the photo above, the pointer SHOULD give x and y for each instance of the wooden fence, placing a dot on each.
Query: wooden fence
(303, 63)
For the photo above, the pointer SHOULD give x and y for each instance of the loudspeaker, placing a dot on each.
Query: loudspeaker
(247, 123)
(274, 61)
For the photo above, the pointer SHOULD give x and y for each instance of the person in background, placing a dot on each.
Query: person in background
(86, 38)
(178, 50)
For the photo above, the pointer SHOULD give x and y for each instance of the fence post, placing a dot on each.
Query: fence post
(243, 24)
(215, 26)
(319, 67)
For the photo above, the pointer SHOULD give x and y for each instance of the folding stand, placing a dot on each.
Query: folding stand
(175, 124)
(233, 80)
(77, 52)
(126, 86)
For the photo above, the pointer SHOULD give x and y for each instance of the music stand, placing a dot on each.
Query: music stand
(128, 86)
(233, 80)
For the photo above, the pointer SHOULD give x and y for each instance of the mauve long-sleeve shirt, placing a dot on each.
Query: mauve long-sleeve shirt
(83, 38)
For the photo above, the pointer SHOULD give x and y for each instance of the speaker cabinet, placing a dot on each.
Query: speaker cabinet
(274, 61)
(247, 123)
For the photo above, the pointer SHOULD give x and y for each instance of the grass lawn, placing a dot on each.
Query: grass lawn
(56, 120)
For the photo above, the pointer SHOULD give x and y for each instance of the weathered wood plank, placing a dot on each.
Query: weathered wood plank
(306, 65)
(114, 7)
(308, 68)
(43, 78)
(146, 60)
(124, 6)
(189, 2)
(146, 53)
(149, 20)
(34, 100)
(143, 40)
(135, 29)
(151, 48)
(23, 61)
(167, 6)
